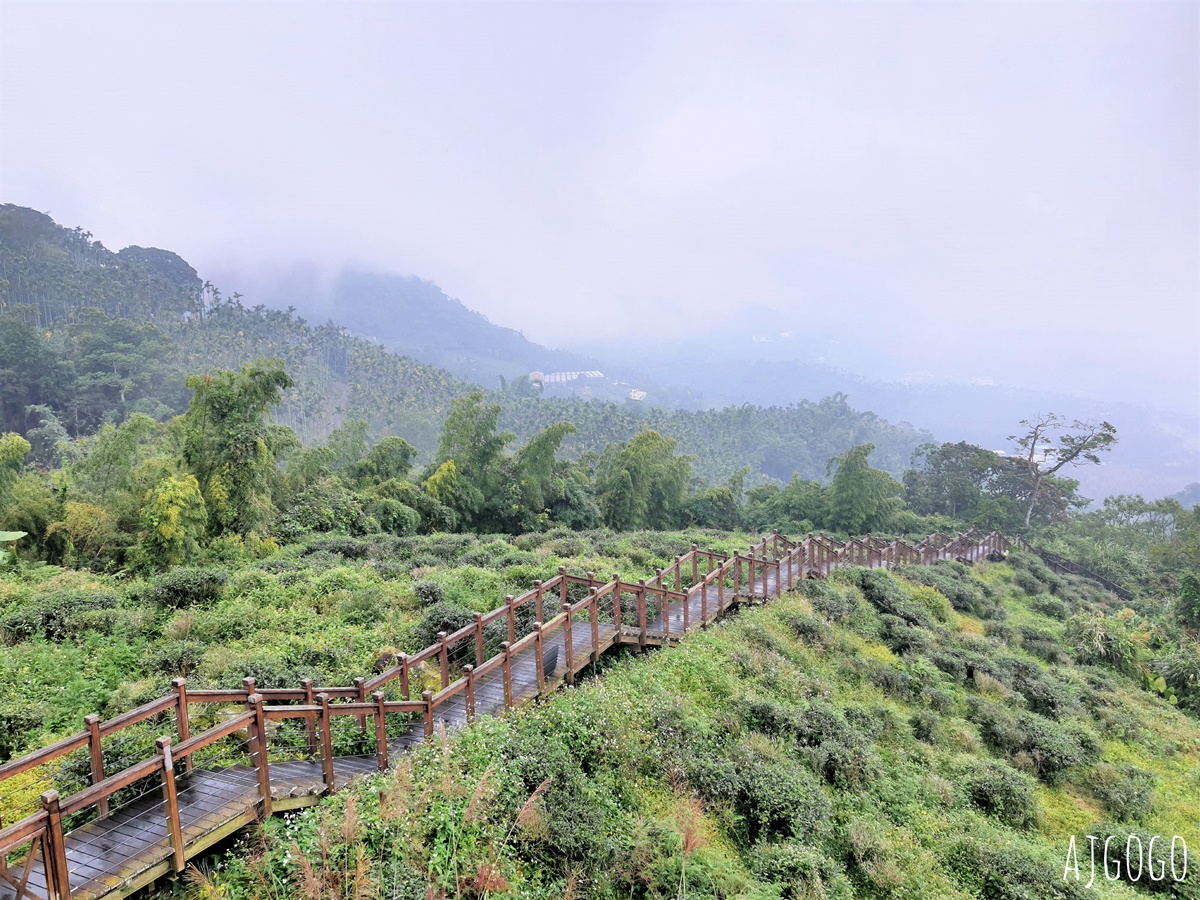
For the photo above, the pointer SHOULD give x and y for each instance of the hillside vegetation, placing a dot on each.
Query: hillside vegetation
(940, 733)
(88, 336)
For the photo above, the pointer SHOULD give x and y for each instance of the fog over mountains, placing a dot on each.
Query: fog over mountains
(754, 358)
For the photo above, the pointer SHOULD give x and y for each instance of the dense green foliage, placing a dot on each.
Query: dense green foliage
(861, 738)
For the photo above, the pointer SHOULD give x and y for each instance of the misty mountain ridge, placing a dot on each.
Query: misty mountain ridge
(765, 358)
(415, 317)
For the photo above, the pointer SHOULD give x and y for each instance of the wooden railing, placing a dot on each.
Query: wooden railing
(696, 588)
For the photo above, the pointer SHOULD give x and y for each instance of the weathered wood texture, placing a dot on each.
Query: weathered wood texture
(133, 826)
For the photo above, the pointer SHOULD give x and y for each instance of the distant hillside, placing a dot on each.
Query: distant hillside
(1157, 454)
(92, 335)
(415, 317)
(1189, 496)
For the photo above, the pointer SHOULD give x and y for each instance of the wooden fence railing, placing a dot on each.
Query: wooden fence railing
(254, 732)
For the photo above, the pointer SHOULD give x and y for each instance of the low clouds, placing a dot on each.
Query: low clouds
(960, 184)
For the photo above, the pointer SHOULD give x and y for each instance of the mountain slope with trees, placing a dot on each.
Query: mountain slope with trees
(88, 336)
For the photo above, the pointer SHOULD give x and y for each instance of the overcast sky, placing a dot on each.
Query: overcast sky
(997, 190)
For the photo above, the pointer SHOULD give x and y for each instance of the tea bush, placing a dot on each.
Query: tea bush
(1002, 792)
(184, 587)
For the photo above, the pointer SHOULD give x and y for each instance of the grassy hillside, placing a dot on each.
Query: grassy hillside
(924, 736)
(74, 642)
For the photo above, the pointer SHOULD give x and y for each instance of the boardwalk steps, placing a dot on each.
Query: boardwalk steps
(266, 750)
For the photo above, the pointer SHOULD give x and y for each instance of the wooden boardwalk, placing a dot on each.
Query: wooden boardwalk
(198, 789)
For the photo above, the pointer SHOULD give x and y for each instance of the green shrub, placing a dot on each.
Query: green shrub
(1187, 601)
(801, 872)
(1045, 694)
(954, 581)
(996, 869)
(362, 607)
(1127, 792)
(839, 751)
(345, 547)
(1180, 669)
(888, 595)
(441, 616)
(1046, 747)
(186, 587)
(175, 658)
(1029, 583)
(56, 615)
(900, 637)
(1099, 639)
(836, 602)
(926, 725)
(325, 506)
(396, 518)
(778, 797)
(572, 807)
(810, 629)
(269, 670)
(1002, 792)
(1050, 607)
(429, 592)
(887, 677)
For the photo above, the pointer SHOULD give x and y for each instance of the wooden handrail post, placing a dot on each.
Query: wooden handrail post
(478, 617)
(737, 575)
(444, 659)
(617, 615)
(96, 756)
(171, 799)
(54, 849)
(695, 563)
(505, 648)
(360, 685)
(537, 599)
(539, 659)
(664, 605)
(594, 614)
(259, 750)
(704, 600)
(381, 743)
(721, 589)
(427, 696)
(248, 685)
(562, 585)
(568, 645)
(326, 744)
(469, 672)
(182, 727)
(512, 618)
(310, 719)
(404, 685)
(687, 604)
(641, 612)
(764, 580)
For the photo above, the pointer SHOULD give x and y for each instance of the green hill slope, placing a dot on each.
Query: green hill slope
(871, 736)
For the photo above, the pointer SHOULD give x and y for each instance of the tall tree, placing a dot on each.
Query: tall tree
(229, 446)
(642, 483)
(470, 439)
(1049, 444)
(13, 448)
(861, 498)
